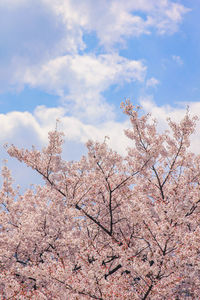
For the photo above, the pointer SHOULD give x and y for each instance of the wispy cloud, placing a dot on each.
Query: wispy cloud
(169, 16)
(177, 59)
(114, 20)
(152, 82)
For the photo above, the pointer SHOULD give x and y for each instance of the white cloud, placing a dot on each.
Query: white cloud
(31, 34)
(168, 16)
(177, 59)
(114, 21)
(88, 71)
(80, 80)
(37, 32)
(41, 42)
(152, 82)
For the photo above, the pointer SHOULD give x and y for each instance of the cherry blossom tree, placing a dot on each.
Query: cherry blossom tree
(107, 226)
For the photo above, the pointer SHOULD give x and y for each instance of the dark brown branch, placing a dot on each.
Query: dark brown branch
(110, 212)
(159, 183)
(192, 209)
(51, 182)
(113, 271)
(95, 221)
(147, 292)
(153, 236)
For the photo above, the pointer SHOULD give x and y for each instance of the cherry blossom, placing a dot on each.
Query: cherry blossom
(107, 226)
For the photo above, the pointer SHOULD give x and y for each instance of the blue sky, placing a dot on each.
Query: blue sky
(76, 60)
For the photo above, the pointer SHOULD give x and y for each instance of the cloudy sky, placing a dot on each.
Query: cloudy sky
(76, 60)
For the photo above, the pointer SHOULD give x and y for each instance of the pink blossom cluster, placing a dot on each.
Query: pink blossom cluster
(107, 226)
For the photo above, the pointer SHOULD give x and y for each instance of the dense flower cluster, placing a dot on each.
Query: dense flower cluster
(107, 226)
